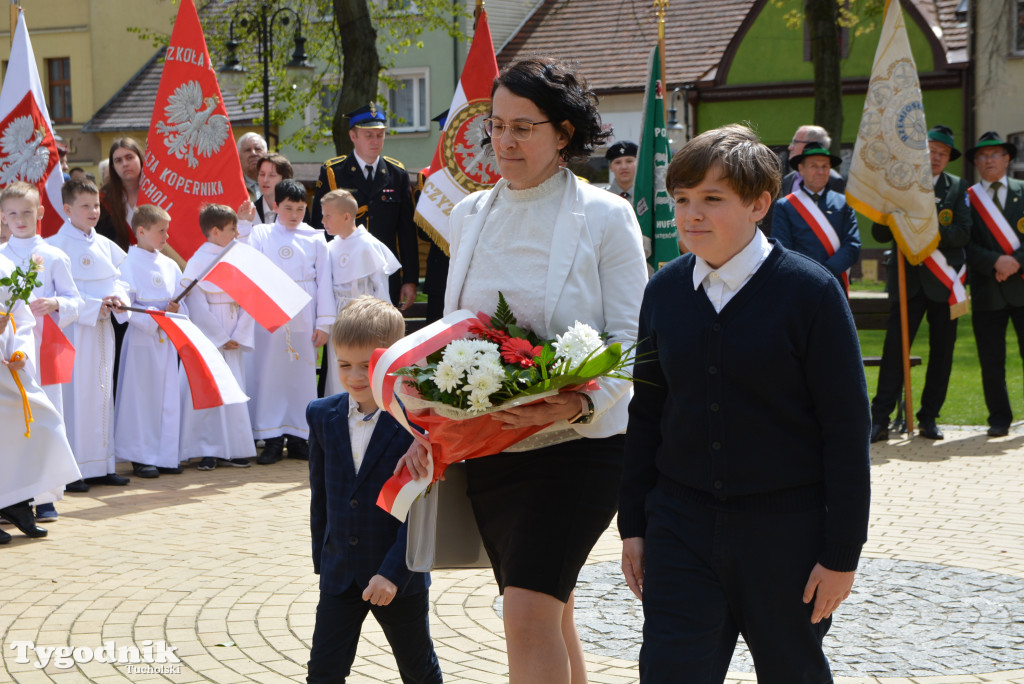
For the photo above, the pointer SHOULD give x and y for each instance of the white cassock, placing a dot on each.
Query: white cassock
(58, 282)
(41, 461)
(222, 431)
(280, 374)
(88, 398)
(360, 265)
(147, 412)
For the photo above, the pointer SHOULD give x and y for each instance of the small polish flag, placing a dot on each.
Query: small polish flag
(56, 354)
(259, 286)
(209, 377)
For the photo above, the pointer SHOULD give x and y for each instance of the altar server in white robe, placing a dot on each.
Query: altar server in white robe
(221, 435)
(57, 296)
(360, 264)
(36, 456)
(280, 374)
(147, 411)
(88, 398)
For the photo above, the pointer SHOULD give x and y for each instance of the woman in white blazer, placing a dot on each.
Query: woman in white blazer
(560, 251)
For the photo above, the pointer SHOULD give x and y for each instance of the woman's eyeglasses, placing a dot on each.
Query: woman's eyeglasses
(520, 130)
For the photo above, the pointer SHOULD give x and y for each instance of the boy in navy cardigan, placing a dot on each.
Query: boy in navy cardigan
(744, 502)
(359, 549)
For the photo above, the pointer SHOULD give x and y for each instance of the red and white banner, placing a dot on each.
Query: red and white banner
(191, 157)
(811, 213)
(56, 354)
(211, 381)
(462, 163)
(993, 218)
(28, 150)
(258, 285)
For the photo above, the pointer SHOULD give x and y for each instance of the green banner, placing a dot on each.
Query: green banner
(651, 199)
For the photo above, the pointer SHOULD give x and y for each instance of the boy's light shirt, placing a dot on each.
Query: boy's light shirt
(722, 284)
(360, 429)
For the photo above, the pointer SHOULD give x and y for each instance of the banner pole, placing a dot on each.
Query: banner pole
(15, 8)
(908, 398)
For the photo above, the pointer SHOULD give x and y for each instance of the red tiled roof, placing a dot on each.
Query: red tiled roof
(612, 38)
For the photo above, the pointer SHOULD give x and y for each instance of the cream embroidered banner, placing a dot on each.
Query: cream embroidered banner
(890, 175)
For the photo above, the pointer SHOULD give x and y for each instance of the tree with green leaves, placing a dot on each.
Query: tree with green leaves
(351, 44)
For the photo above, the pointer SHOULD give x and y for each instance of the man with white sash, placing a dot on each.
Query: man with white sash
(936, 288)
(994, 258)
(816, 221)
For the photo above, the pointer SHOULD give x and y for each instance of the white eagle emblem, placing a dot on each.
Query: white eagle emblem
(24, 155)
(190, 129)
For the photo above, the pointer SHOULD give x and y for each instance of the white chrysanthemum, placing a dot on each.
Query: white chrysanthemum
(446, 377)
(577, 343)
(460, 354)
(483, 346)
(479, 402)
(483, 382)
(490, 363)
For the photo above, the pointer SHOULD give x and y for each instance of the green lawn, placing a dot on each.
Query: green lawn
(965, 403)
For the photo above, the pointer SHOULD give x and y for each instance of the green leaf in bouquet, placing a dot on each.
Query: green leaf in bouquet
(503, 316)
(601, 363)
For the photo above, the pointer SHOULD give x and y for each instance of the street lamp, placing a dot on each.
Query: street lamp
(676, 131)
(262, 22)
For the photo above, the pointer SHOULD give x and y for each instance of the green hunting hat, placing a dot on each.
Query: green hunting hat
(814, 150)
(992, 139)
(944, 134)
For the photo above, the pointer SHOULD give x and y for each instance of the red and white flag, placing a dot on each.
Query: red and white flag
(462, 163)
(56, 354)
(258, 285)
(191, 157)
(28, 150)
(211, 381)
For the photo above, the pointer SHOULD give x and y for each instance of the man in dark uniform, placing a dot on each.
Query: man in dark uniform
(622, 166)
(994, 258)
(928, 293)
(381, 186)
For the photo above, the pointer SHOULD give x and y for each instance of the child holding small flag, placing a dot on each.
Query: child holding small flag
(147, 413)
(360, 263)
(88, 399)
(353, 449)
(56, 301)
(281, 372)
(220, 435)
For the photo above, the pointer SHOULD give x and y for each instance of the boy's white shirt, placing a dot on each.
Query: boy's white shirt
(360, 264)
(95, 268)
(56, 278)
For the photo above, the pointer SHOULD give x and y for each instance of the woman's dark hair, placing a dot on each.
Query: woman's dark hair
(113, 191)
(281, 165)
(562, 94)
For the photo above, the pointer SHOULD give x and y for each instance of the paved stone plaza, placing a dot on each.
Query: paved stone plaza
(216, 565)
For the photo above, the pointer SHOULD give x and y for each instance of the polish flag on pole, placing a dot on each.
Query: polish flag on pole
(211, 381)
(191, 157)
(462, 162)
(258, 285)
(28, 150)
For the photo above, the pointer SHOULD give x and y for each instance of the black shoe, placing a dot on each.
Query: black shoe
(273, 451)
(927, 428)
(146, 472)
(998, 431)
(21, 515)
(298, 448)
(207, 463)
(108, 479)
(77, 487)
(879, 432)
(4, 537)
(177, 470)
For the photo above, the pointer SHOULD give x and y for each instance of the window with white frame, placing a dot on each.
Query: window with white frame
(408, 103)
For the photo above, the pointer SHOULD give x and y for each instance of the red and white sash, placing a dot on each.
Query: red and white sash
(952, 279)
(993, 218)
(811, 213)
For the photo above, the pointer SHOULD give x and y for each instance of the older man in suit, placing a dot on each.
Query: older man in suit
(816, 221)
(994, 258)
(931, 288)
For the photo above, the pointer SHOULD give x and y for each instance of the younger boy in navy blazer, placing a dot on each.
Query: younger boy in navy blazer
(359, 549)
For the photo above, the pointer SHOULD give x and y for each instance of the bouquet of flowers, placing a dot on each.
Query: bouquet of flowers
(445, 382)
